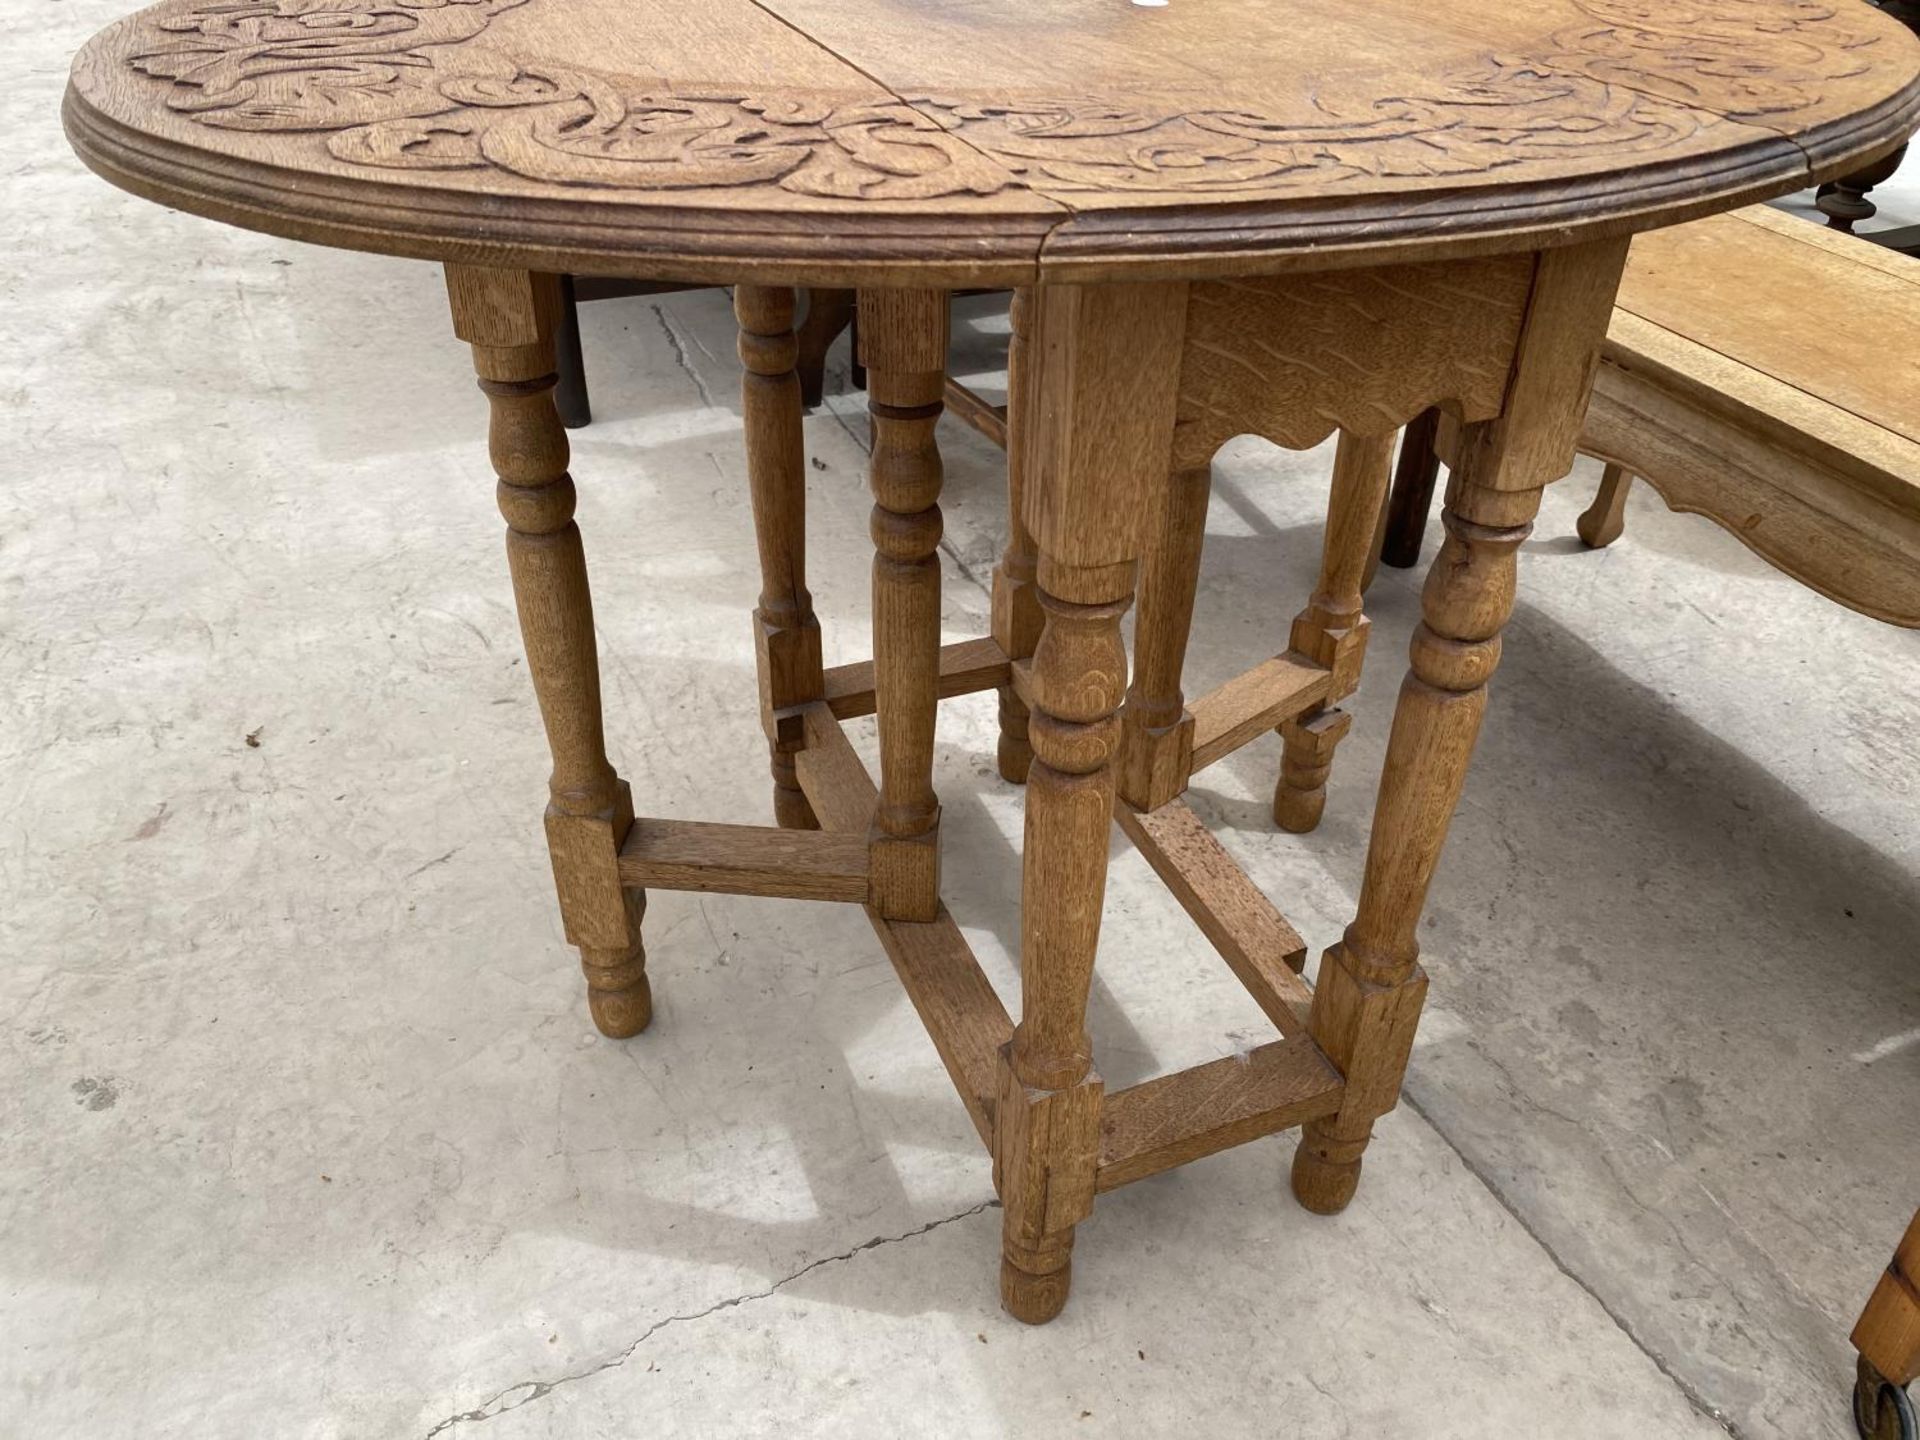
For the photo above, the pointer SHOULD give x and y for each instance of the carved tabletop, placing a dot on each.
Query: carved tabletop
(1469, 173)
(981, 142)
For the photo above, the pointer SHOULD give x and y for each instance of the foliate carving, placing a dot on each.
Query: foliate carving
(309, 64)
(390, 82)
(394, 84)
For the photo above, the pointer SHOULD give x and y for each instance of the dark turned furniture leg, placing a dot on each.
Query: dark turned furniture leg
(1844, 201)
(1414, 477)
(829, 313)
(570, 393)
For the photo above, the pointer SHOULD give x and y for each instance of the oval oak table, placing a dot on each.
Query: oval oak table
(1223, 217)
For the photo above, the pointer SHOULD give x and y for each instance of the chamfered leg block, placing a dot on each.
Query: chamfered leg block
(507, 317)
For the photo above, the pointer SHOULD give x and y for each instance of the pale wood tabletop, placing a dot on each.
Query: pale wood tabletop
(982, 142)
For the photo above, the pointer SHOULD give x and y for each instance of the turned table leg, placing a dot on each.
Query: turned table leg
(1016, 602)
(1368, 994)
(1049, 1106)
(1156, 745)
(903, 342)
(1097, 437)
(1366, 1001)
(786, 633)
(1332, 630)
(508, 317)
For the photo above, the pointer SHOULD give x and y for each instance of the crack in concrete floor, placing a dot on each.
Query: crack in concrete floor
(526, 1392)
(1493, 1187)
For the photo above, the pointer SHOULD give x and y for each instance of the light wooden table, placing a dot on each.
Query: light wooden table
(1224, 217)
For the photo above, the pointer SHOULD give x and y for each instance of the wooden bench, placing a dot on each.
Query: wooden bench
(1727, 385)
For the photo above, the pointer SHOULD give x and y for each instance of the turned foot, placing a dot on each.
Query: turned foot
(1298, 811)
(1301, 796)
(1326, 1169)
(1034, 1283)
(618, 992)
(791, 810)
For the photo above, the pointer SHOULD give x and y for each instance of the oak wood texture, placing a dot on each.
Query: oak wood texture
(1168, 1121)
(976, 413)
(1808, 453)
(1359, 351)
(903, 344)
(1156, 730)
(744, 860)
(1366, 1002)
(941, 145)
(1106, 375)
(1252, 703)
(963, 667)
(1332, 630)
(507, 318)
(1045, 1165)
(786, 632)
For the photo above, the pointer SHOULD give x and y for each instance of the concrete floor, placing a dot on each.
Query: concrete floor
(304, 1131)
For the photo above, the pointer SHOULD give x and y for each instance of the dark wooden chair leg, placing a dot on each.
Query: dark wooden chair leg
(1414, 477)
(570, 392)
(829, 312)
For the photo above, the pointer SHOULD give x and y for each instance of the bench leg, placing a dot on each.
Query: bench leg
(1600, 523)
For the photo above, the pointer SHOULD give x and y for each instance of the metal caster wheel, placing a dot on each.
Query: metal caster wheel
(1881, 1409)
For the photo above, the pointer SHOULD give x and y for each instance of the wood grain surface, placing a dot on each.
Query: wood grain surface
(942, 142)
